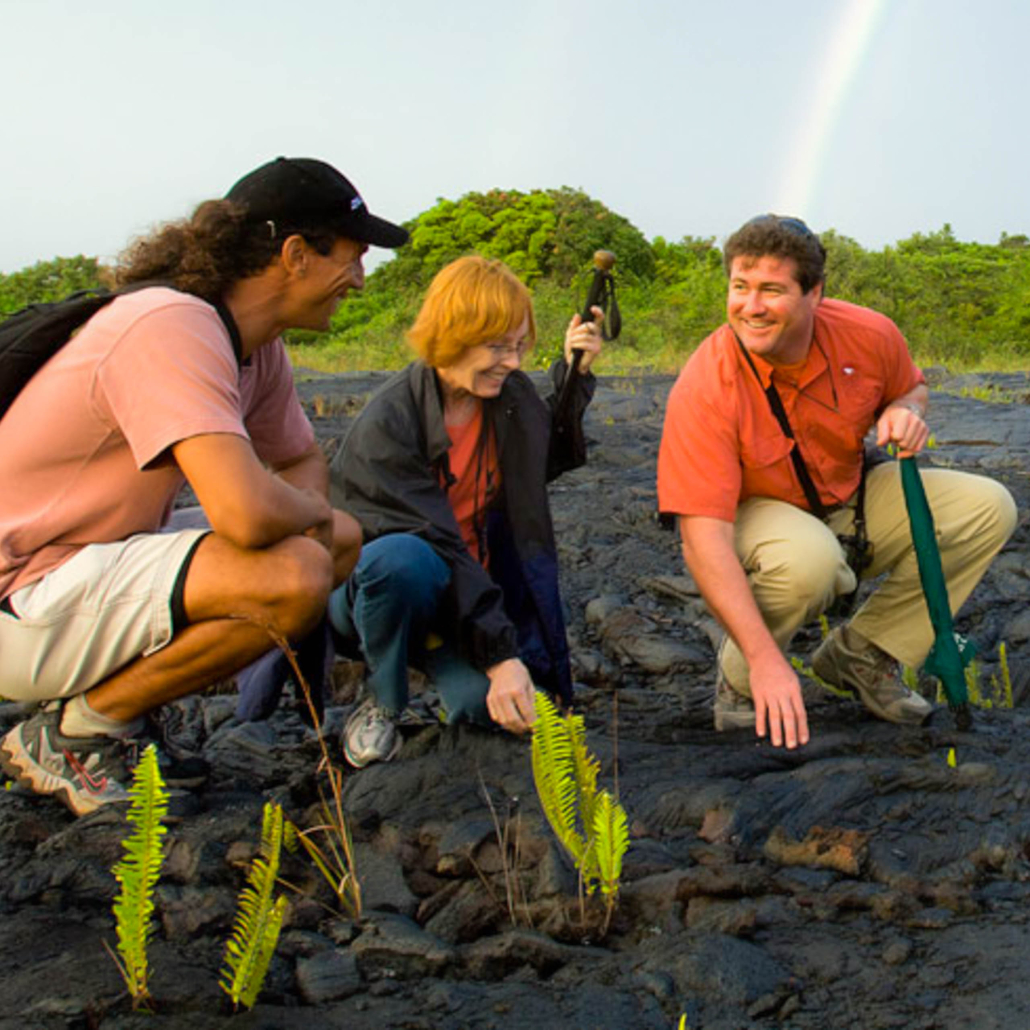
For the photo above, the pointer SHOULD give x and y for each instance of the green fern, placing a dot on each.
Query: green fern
(611, 841)
(259, 918)
(553, 775)
(137, 873)
(584, 771)
(1006, 678)
(590, 824)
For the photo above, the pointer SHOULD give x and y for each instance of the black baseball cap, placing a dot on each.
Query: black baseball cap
(301, 191)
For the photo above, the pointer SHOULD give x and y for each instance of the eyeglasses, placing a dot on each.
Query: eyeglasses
(500, 351)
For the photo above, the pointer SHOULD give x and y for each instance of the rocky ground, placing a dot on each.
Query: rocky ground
(861, 882)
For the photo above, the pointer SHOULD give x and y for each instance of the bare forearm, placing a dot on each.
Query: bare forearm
(310, 471)
(246, 503)
(916, 398)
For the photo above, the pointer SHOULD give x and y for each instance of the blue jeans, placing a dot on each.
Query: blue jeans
(388, 608)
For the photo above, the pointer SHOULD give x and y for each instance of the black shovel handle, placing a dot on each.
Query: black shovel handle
(604, 261)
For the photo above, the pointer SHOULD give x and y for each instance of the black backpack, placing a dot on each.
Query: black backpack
(31, 336)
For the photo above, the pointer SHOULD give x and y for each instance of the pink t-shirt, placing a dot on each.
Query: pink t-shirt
(84, 449)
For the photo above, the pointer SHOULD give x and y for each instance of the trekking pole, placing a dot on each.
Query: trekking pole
(601, 294)
(950, 654)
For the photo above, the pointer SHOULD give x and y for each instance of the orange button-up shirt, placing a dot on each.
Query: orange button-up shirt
(722, 444)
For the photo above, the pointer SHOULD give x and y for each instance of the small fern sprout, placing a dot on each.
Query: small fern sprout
(553, 775)
(259, 918)
(611, 841)
(137, 873)
(1006, 676)
(589, 823)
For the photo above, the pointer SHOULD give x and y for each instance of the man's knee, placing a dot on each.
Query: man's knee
(812, 571)
(980, 510)
(1001, 506)
(303, 580)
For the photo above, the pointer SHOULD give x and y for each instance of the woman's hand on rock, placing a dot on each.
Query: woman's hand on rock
(510, 697)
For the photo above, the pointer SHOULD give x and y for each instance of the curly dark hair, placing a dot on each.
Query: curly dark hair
(783, 237)
(215, 247)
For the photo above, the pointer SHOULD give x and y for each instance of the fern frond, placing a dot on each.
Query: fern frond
(249, 950)
(555, 783)
(585, 768)
(138, 872)
(290, 835)
(611, 840)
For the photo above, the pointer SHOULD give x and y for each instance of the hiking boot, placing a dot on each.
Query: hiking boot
(84, 772)
(370, 735)
(732, 711)
(846, 659)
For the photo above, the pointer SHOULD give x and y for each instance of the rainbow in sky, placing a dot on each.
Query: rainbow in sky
(845, 52)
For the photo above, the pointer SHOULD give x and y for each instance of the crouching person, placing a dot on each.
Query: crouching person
(103, 617)
(762, 461)
(446, 470)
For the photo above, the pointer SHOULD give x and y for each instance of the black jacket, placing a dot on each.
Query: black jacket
(387, 475)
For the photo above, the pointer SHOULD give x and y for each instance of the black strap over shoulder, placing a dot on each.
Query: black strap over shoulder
(780, 414)
(856, 545)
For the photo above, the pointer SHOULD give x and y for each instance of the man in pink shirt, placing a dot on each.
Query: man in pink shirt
(104, 616)
(760, 528)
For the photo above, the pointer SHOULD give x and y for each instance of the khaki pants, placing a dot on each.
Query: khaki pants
(796, 567)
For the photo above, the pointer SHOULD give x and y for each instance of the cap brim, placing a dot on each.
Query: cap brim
(380, 233)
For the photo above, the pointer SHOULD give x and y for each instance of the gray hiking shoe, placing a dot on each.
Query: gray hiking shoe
(732, 711)
(84, 772)
(370, 735)
(846, 659)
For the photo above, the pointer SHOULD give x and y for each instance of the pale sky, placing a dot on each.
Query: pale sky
(878, 118)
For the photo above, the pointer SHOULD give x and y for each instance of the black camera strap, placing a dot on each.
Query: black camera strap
(856, 545)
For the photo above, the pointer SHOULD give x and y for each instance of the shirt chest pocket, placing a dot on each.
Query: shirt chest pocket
(762, 451)
(860, 397)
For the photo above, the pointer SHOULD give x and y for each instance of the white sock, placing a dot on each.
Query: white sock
(80, 720)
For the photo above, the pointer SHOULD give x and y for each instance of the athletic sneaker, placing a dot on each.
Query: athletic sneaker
(732, 711)
(370, 735)
(84, 772)
(846, 659)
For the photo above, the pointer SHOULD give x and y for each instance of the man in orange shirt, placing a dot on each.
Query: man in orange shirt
(792, 370)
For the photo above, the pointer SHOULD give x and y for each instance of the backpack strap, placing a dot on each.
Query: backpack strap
(231, 328)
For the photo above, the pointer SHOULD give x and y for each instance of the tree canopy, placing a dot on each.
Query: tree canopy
(545, 234)
(962, 304)
(48, 280)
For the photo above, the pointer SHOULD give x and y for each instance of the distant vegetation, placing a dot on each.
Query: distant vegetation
(963, 305)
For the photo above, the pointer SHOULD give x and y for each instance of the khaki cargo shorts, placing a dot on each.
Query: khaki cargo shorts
(101, 609)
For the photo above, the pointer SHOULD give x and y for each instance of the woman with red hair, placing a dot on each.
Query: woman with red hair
(446, 471)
